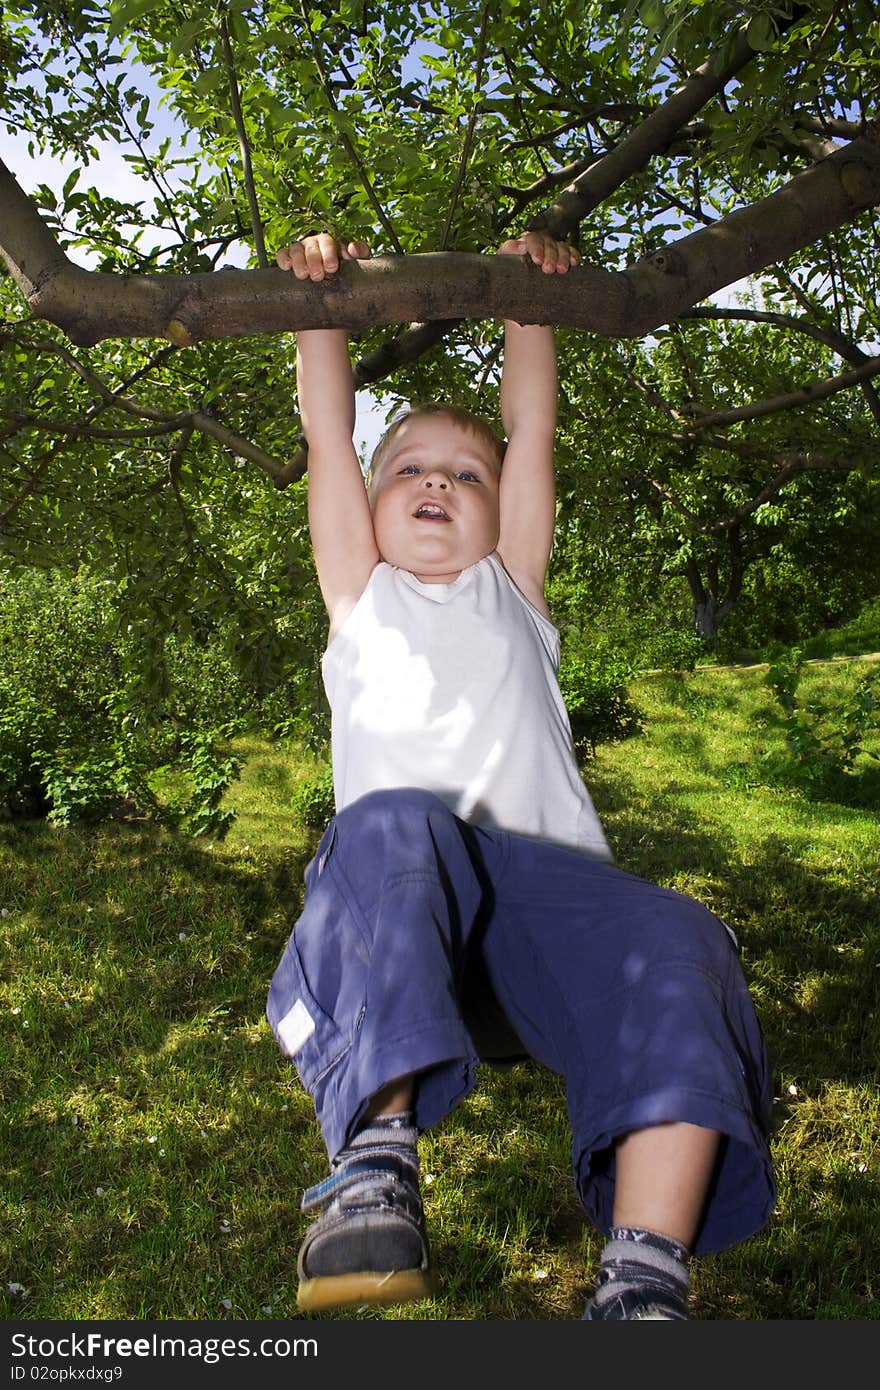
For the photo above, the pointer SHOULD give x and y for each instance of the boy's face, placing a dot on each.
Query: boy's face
(435, 499)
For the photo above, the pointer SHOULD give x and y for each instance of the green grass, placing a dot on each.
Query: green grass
(154, 1143)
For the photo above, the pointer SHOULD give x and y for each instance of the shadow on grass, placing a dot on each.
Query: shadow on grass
(817, 940)
(144, 1098)
(811, 953)
(149, 979)
(165, 1039)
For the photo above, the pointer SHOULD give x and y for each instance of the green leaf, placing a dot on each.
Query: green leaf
(127, 12)
(70, 183)
(651, 14)
(760, 34)
(209, 80)
(184, 37)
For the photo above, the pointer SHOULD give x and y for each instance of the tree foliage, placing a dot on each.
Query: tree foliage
(681, 145)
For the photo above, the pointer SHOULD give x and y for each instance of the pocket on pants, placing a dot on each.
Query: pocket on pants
(304, 1031)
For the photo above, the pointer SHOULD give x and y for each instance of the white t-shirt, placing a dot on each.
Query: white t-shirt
(453, 688)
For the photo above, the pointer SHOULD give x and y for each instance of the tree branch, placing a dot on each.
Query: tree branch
(551, 179)
(804, 461)
(197, 419)
(244, 143)
(91, 306)
(589, 113)
(27, 491)
(843, 347)
(347, 142)
(650, 138)
(49, 457)
(400, 351)
(76, 429)
(133, 135)
(237, 445)
(174, 466)
(793, 400)
(469, 133)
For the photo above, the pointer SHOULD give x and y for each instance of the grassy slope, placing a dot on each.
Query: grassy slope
(154, 1144)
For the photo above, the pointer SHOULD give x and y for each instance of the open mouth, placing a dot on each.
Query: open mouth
(430, 511)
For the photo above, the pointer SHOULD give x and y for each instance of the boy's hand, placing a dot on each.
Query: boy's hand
(317, 256)
(554, 257)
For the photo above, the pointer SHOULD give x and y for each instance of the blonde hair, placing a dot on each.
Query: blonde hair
(456, 413)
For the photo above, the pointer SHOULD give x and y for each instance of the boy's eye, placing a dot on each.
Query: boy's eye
(465, 476)
(410, 468)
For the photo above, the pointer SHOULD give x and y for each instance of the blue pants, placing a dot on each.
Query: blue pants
(416, 927)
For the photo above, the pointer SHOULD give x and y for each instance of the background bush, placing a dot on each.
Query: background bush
(595, 690)
(313, 799)
(89, 717)
(823, 738)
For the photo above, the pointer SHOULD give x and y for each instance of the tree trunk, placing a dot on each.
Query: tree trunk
(711, 607)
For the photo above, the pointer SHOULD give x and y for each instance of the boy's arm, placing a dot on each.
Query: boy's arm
(528, 414)
(340, 521)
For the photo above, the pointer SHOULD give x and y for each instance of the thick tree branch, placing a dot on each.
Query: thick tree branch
(236, 444)
(90, 306)
(710, 607)
(651, 137)
(829, 126)
(400, 351)
(682, 140)
(551, 179)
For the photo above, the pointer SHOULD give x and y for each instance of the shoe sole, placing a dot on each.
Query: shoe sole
(342, 1290)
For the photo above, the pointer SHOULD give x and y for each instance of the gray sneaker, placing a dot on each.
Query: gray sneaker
(369, 1243)
(633, 1305)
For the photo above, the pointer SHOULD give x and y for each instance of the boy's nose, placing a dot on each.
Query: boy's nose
(437, 479)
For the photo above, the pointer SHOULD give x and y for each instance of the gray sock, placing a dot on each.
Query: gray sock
(382, 1134)
(644, 1267)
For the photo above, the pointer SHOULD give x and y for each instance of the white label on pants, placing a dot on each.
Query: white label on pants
(295, 1028)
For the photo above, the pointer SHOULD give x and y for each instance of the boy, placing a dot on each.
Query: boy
(466, 862)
